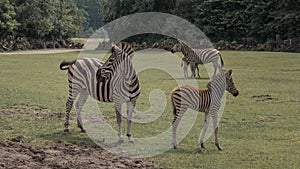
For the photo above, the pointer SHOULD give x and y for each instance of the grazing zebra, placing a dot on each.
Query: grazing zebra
(199, 56)
(120, 86)
(207, 100)
(193, 66)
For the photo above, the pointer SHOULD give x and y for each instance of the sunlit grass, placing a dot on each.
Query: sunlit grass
(259, 128)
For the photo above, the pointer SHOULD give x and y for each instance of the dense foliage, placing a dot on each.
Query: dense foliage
(39, 19)
(221, 19)
(241, 21)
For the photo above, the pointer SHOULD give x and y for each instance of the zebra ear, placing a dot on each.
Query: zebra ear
(229, 72)
(115, 48)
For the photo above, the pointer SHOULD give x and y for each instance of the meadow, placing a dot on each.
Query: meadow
(259, 129)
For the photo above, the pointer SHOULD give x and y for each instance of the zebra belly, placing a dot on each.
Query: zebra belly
(104, 91)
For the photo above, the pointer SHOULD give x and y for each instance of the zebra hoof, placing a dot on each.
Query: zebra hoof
(175, 147)
(66, 130)
(82, 131)
(202, 145)
(219, 147)
(121, 139)
(130, 140)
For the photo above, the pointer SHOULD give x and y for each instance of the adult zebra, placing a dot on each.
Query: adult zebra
(208, 101)
(122, 85)
(198, 56)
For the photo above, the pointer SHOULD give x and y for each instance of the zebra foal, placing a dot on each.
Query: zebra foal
(198, 56)
(122, 85)
(194, 66)
(207, 100)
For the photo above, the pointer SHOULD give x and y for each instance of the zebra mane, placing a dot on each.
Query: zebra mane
(123, 47)
(183, 44)
(127, 48)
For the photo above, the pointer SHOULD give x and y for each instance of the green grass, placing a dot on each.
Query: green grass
(255, 132)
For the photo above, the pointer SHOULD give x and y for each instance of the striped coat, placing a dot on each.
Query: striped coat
(199, 56)
(207, 101)
(118, 88)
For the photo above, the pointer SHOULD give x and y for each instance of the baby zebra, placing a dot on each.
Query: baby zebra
(207, 100)
(198, 56)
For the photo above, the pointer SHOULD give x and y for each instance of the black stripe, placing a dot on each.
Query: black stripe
(98, 92)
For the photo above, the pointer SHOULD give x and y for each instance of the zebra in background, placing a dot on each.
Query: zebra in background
(86, 77)
(198, 56)
(207, 100)
(193, 66)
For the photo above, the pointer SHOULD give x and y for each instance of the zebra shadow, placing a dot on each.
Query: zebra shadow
(78, 138)
(193, 151)
(190, 78)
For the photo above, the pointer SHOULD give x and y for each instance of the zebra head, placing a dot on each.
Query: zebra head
(106, 71)
(230, 86)
(176, 47)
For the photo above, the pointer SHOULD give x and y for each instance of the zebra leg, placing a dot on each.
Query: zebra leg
(215, 124)
(175, 123)
(204, 129)
(130, 109)
(185, 69)
(73, 92)
(78, 106)
(119, 120)
(193, 69)
(69, 105)
(198, 71)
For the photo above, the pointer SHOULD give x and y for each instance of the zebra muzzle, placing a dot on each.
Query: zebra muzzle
(236, 93)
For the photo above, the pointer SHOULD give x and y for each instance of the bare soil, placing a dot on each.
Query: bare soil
(16, 154)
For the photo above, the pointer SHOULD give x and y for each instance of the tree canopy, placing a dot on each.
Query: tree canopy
(221, 19)
(39, 19)
(229, 20)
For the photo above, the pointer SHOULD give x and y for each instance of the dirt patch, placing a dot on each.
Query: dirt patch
(290, 70)
(263, 98)
(40, 113)
(17, 155)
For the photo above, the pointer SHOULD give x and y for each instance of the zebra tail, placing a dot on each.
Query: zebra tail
(65, 65)
(222, 62)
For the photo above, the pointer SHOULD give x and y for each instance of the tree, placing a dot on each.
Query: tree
(68, 20)
(221, 19)
(8, 24)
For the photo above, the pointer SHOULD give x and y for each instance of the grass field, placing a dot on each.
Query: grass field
(259, 129)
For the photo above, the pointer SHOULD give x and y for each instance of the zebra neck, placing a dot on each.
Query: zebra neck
(187, 52)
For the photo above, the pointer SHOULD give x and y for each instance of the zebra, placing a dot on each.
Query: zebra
(207, 101)
(194, 66)
(122, 85)
(198, 56)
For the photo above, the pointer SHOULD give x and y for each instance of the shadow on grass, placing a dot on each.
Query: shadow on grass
(193, 151)
(183, 78)
(71, 137)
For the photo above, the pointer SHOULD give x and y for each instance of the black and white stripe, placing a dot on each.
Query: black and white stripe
(121, 86)
(207, 100)
(198, 56)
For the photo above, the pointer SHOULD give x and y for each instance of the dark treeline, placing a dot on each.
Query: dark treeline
(268, 22)
(35, 24)
(225, 22)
